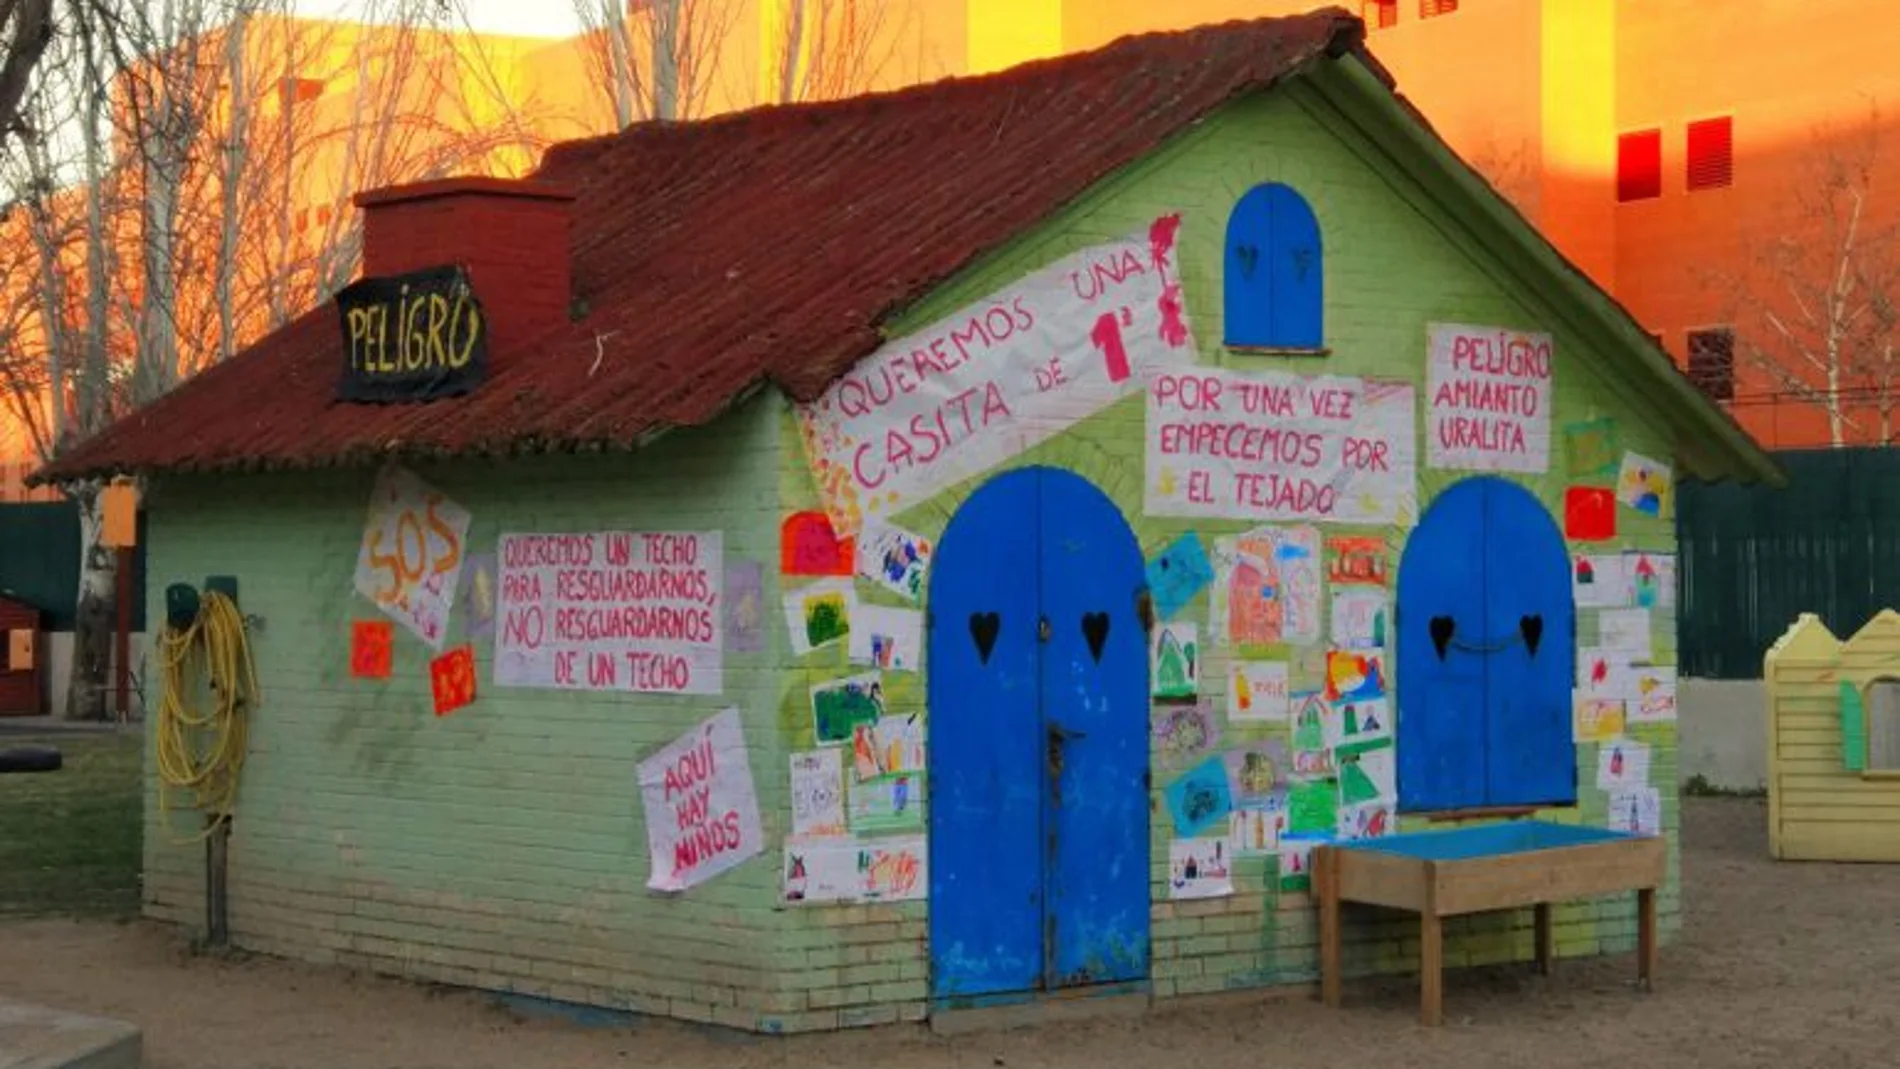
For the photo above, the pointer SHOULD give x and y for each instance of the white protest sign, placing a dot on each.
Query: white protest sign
(996, 377)
(702, 814)
(1489, 399)
(410, 561)
(1276, 446)
(610, 610)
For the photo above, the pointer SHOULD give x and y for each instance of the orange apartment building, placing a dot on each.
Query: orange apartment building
(1663, 148)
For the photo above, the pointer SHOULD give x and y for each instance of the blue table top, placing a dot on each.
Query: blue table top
(1487, 840)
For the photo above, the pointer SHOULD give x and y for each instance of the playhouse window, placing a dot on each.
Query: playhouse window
(1883, 725)
(1274, 277)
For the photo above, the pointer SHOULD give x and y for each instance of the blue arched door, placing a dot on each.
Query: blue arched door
(1038, 757)
(1486, 653)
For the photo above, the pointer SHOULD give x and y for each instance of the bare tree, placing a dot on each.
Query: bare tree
(26, 30)
(1816, 302)
(827, 49)
(658, 59)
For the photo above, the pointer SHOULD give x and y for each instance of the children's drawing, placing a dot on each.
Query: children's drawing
(1312, 755)
(1598, 719)
(1622, 764)
(1256, 832)
(476, 596)
(819, 614)
(1257, 690)
(1200, 798)
(889, 639)
(1653, 694)
(817, 794)
(745, 606)
(1356, 560)
(1199, 868)
(840, 705)
(1368, 776)
(1258, 774)
(1589, 514)
(1604, 673)
(893, 803)
(1357, 722)
(891, 746)
(371, 648)
(1645, 485)
(893, 558)
(808, 546)
(1183, 733)
(1626, 633)
(1268, 586)
(882, 870)
(1354, 675)
(1312, 807)
(1652, 579)
(1599, 582)
(1590, 448)
(1637, 811)
(1177, 668)
(1360, 619)
(1369, 821)
(1177, 574)
(1295, 862)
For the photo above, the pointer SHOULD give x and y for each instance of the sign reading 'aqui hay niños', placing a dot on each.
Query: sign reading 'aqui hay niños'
(1489, 399)
(1276, 446)
(413, 337)
(996, 377)
(611, 610)
(701, 810)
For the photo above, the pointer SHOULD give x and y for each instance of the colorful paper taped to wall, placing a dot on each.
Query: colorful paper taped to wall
(452, 680)
(370, 648)
(808, 546)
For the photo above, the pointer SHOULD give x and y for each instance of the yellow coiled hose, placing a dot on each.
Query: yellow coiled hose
(201, 754)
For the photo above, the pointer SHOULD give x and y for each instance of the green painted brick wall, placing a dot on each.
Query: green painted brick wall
(503, 847)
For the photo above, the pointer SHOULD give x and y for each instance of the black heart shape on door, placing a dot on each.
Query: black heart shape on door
(1441, 628)
(1095, 629)
(1532, 628)
(983, 628)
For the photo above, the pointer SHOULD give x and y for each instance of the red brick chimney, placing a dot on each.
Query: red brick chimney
(511, 235)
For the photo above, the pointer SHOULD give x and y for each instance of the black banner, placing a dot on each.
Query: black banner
(413, 337)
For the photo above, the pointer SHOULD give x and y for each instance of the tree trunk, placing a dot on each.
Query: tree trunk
(91, 684)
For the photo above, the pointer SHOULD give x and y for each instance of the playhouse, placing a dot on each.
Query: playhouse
(1834, 741)
(843, 563)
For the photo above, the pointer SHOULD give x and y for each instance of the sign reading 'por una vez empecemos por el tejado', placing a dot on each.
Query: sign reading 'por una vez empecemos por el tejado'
(412, 337)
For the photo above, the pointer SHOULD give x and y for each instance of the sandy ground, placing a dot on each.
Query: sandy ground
(1781, 965)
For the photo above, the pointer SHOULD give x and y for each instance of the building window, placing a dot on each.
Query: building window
(1431, 9)
(1711, 153)
(1273, 279)
(1639, 165)
(1379, 14)
(1883, 725)
(1712, 362)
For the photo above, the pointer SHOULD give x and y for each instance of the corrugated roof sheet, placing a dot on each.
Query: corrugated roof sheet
(715, 255)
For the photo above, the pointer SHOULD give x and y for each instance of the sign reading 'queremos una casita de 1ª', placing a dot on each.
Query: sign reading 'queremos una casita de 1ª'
(413, 337)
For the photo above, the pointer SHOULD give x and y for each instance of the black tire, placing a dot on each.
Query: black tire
(30, 759)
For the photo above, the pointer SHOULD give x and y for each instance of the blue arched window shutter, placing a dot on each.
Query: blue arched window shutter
(1274, 278)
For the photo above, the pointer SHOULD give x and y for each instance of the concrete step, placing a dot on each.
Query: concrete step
(35, 1037)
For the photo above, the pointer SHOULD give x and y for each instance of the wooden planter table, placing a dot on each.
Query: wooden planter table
(1439, 874)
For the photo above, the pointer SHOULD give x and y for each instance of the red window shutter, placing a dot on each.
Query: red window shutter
(1712, 153)
(1712, 362)
(1433, 8)
(1379, 14)
(1639, 165)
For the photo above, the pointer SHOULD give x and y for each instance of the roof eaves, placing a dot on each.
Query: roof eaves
(1365, 96)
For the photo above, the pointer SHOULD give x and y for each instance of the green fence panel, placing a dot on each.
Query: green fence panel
(39, 561)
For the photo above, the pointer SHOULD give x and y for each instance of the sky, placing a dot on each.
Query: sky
(533, 18)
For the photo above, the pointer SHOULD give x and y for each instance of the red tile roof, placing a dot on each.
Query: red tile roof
(714, 255)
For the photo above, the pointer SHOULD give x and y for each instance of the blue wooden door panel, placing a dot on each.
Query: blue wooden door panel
(1248, 294)
(1095, 721)
(1530, 757)
(985, 749)
(1443, 628)
(1294, 270)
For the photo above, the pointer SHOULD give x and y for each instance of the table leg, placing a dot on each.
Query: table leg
(1646, 943)
(1546, 938)
(1431, 969)
(1329, 936)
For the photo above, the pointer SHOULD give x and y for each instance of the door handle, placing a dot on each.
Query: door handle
(1057, 736)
